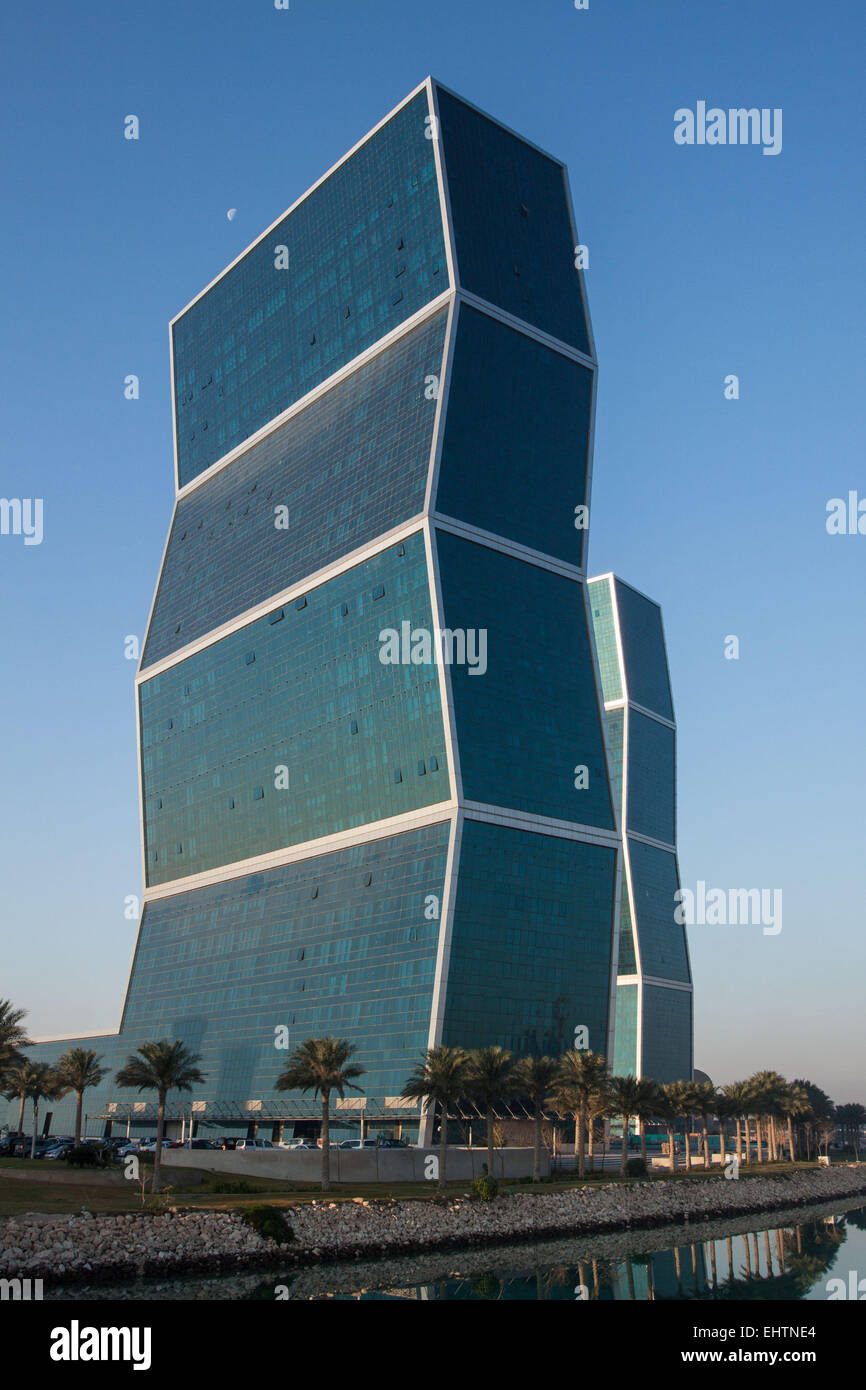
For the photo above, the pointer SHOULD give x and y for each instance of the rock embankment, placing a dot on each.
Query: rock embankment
(91, 1248)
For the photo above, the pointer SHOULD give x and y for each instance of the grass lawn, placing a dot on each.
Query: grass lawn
(32, 1185)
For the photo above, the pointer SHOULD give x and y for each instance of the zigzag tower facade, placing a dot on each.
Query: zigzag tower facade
(375, 782)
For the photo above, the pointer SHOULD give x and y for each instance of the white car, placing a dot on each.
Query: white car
(244, 1144)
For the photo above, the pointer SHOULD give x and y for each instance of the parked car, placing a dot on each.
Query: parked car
(357, 1144)
(228, 1143)
(199, 1144)
(253, 1144)
(60, 1150)
(127, 1147)
(393, 1144)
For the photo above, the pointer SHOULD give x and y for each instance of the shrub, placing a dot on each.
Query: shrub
(636, 1168)
(231, 1185)
(270, 1223)
(85, 1157)
(485, 1188)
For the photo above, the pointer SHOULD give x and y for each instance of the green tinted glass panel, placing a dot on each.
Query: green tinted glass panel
(348, 468)
(512, 228)
(651, 778)
(667, 1033)
(532, 717)
(292, 727)
(531, 941)
(362, 253)
(643, 644)
(662, 940)
(514, 457)
(601, 606)
(625, 1037)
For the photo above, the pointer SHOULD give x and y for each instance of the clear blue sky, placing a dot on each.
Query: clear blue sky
(703, 262)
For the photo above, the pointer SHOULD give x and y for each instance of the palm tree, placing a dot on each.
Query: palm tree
(322, 1065)
(850, 1116)
(768, 1087)
(536, 1080)
(625, 1095)
(493, 1076)
(598, 1104)
(683, 1094)
(33, 1081)
(646, 1108)
(727, 1108)
(704, 1101)
(79, 1069)
(13, 1036)
(580, 1076)
(794, 1104)
(738, 1098)
(162, 1067)
(440, 1078)
(667, 1107)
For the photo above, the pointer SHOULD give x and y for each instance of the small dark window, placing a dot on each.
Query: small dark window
(250, 658)
(258, 794)
(302, 985)
(398, 273)
(178, 628)
(368, 879)
(231, 803)
(300, 953)
(353, 726)
(398, 776)
(314, 891)
(422, 767)
(344, 610)
(300, 603)
(434, 764)
(186, 690)
(159, 803)
(277, 617)
(400, 244)
(379, 591)
(155, 855)
(401, 550)
(291, 1018)
(524, 210)
(180, 849)
(313, 340)
(413, 934)
(348, 313)
(397, 298)
(170, 724)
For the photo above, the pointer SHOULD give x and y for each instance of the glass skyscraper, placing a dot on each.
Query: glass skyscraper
(654, 983)
(375, 789)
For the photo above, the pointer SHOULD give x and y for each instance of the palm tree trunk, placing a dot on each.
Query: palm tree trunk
(443, 1143)
(759, 1141)
(580, 1117)
(160, 1130)
(791, 1138)
(739, 1140)
(672, 1137)
(35, 1123)
(23, 1099)
(490, 1140)
(642, 1123)
(536, 1157)
(688, 1144)
(79, 1101)
(590, 1142)
(326, 1141)
(706, 1141)
(623, 1166)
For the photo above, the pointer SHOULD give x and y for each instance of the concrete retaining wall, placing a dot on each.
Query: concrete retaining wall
(354, 1165)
